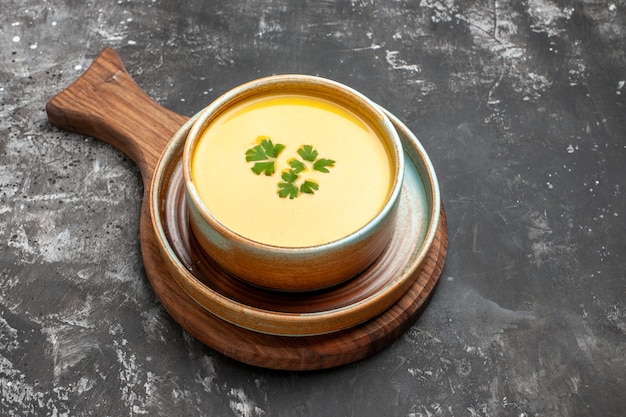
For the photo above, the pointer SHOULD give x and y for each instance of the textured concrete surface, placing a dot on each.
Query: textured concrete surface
(521, 108)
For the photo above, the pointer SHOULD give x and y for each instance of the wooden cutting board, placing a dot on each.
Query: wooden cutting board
(106, 103)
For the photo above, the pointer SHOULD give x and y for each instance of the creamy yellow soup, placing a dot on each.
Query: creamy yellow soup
(352, 186)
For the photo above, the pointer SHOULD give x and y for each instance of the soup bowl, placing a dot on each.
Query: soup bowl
(292, 182)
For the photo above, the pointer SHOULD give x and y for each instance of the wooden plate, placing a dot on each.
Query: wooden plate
(106, 103)
(289, 314)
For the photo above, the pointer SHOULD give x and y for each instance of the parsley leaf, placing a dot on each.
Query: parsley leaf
(270, 149)
(287, 189)
(256, 154)
(309, 187)
(296, 166)
(266, 167)
(322, 165)
(307, 153)
(263, 155)
(290, 175)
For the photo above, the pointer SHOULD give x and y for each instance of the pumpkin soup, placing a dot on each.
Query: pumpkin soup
(292, 170)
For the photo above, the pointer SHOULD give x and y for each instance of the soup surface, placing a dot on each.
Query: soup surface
(291, 170)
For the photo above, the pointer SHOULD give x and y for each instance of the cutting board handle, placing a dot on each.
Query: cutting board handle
(106, 103)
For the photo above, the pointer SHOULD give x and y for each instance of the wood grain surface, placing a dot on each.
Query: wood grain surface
(106, 103)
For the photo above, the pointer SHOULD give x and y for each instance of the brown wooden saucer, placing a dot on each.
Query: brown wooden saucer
(106, 103)
(297, 314)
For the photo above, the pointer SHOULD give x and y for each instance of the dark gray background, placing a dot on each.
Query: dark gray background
(520, 105)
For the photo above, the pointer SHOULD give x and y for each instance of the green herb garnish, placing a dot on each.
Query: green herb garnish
(322, 165)
(297, 166)
(287, 189)
(264, 156)
(307, 153)
(290, 176)
(309, 187)
(267, 167)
